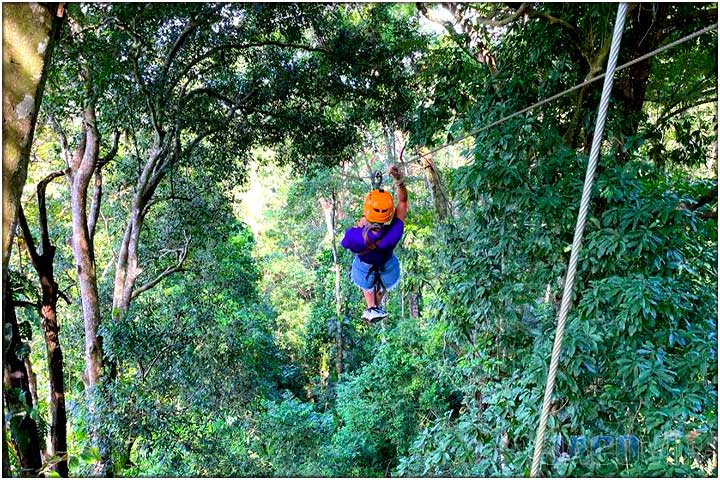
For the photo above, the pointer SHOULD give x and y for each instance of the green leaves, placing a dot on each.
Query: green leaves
(227, 368)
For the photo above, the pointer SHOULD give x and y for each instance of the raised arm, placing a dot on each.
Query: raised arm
(401, 192)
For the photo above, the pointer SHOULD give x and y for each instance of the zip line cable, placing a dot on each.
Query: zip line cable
(577, 241)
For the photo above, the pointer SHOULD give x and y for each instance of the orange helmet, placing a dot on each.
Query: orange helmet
(379, 207)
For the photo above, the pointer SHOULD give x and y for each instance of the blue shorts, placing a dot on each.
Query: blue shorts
(361, 275)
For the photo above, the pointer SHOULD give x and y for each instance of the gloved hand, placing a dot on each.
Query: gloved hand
(398, 176)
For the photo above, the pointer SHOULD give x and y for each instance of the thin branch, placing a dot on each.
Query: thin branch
(191, 26)
(231, 112)
(708, 197)
(209, 92)
(41, 189)
(126, 28)
(668, 115)
(554, 20)
(449, 27)
(113, 150)
(201, 73)
(25, 303)
(164, 161)
(62, 138)
(505, 21)
(571, 29)
(182, 255)
(179, 41)
(95, 204)
(77, 31)
(97, 185)
(143, 88)
(239, 102)
(145, 371)
(64, 296)
(29, 241)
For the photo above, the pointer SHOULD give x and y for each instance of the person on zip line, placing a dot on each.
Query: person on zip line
(375, 268)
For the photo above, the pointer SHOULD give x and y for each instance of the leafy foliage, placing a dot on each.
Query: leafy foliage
(228, 367)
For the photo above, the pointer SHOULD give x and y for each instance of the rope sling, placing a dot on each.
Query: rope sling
(577, 241)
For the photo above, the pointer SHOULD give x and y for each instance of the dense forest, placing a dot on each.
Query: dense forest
(177, 178)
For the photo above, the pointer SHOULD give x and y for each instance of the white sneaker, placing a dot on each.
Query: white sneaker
(374, 313)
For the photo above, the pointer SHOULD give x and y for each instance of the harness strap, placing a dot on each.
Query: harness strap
(377, 282)
(370, 246)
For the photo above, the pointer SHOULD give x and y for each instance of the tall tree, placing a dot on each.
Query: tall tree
(29, 35)
(44, 264)
(329, 207)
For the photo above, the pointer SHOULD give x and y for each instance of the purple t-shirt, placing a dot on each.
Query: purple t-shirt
(389, 236)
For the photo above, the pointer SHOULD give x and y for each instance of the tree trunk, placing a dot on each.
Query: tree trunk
(439, 199)
(414, 300)
(44, 265)
(126, 267)
(82, 167)
(84, 253)
(644, 33)
(16, 393)
(58, 416)
(29, 34)
(32, 381)
(329, 207)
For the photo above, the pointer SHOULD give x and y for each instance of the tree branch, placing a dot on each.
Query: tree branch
(42, 208)
(244, 46)
(459, 40)
(708, 197)
(113, 150)
(25, 303)
(182, 255)
(505, 21)
(95, 203)
(191, 26)
(145, 371)
(62, 138)
(231, 112)
(179, 41)
(29, 241)
(97, 186)
(668, 115)
(148, 99)
(571, 29)
(209, 92)
(64, 296)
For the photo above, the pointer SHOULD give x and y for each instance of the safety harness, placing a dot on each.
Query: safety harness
(370, 246)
